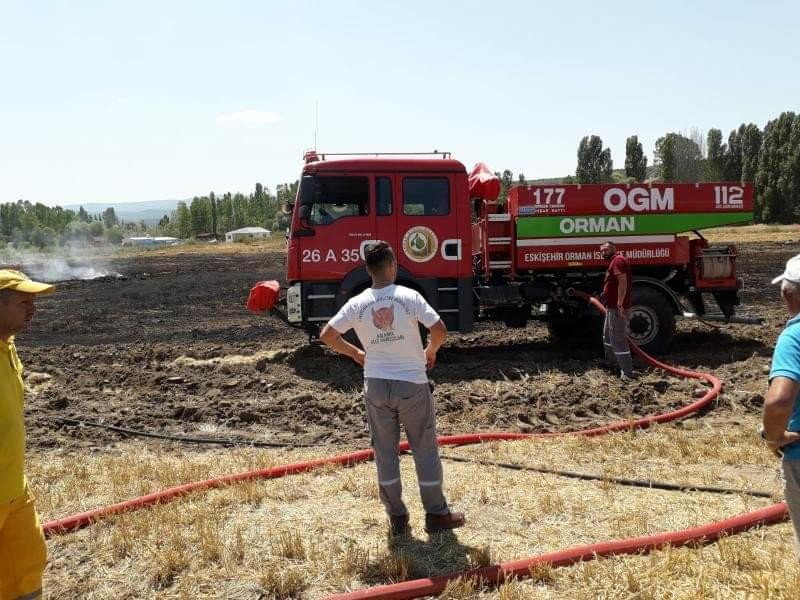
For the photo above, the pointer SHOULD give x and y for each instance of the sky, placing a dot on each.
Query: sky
(110, 101)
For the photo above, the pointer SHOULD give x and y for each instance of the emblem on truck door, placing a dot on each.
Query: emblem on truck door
(420, 244)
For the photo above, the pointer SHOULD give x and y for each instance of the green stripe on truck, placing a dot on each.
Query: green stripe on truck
(593, 225)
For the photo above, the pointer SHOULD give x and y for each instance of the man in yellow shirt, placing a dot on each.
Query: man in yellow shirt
(23, 554)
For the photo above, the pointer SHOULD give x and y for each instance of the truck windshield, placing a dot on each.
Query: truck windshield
(339, 197)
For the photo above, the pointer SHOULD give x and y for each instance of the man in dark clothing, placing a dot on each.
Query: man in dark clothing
(617, 297)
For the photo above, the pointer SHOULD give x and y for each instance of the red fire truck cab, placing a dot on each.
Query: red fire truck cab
(474, 259)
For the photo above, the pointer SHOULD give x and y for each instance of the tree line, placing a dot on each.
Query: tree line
(216, 215)
(768, 158)
(23, 223)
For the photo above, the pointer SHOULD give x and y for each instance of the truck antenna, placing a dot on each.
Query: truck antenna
(316, 122)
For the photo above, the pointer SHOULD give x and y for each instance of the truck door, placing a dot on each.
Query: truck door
(340, 220)
(427, 241)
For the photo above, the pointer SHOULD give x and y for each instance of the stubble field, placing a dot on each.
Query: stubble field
(169, 347)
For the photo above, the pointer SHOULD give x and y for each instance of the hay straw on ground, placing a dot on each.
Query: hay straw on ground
(323, 532)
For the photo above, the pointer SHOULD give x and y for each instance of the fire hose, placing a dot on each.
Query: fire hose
(496, 573)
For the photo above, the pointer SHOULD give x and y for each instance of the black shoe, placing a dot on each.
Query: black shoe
(450, 520)
(399, 525)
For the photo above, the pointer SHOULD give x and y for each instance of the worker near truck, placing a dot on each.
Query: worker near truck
(385, 318)
(617, 299)
(781, 412)
(23, 553)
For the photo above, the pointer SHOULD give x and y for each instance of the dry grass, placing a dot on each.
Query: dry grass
(754, 233)
(309, 535)
(276, 242)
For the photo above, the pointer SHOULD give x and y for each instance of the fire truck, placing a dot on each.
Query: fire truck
(475, 259)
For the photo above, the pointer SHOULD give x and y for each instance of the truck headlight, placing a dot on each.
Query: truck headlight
(294, 303)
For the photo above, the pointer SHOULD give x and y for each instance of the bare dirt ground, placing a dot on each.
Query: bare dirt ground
(171, 348)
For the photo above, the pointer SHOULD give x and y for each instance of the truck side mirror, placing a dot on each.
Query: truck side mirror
(307, 186)
(287, 208)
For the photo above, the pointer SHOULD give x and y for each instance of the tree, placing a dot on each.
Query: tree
(42, 237)
(287, 192)
(96, 229)
(225, 212)
(506, 181)
(77, 230)
(110, 218)
(740, 162)
(10, 216)
(83, 216)
(183, 220)
(594, 162)
(114, 235)
(213, 200)
(200, 210)
(750, 141)
(678, 157)
(240, 212)
(281, 222)
(715, 158)
(778, 176)
(635, 160)
(699, 139)
(733, 156)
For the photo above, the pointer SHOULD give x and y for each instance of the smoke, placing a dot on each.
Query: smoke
(61, 264)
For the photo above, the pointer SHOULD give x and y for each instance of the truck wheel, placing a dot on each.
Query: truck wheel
(652, 320)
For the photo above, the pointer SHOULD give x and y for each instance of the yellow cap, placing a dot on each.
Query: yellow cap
(14, 280)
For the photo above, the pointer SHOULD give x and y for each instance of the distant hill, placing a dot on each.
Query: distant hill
(149, 211)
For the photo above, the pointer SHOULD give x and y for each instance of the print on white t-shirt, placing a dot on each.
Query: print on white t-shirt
(385, 321)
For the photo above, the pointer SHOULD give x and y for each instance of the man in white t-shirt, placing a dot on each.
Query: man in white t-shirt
(385, 318)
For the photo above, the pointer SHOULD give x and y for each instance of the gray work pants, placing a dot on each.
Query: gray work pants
(391, 403)
(614, 342)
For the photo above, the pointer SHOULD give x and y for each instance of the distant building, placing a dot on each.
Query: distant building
(246, 233)
(149, 241)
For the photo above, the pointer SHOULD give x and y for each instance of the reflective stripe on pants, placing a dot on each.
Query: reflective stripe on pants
(614, 342)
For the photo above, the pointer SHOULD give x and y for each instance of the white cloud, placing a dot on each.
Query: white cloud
(248, 118)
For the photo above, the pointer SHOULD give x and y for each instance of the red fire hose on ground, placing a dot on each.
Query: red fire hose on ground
(521, 569)
(494, 573)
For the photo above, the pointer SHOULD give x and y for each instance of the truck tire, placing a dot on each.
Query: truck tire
(652, 320)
